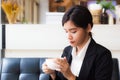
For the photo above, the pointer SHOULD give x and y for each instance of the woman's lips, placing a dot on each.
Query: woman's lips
(71, 42)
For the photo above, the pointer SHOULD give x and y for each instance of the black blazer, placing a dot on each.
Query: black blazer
(97, 64)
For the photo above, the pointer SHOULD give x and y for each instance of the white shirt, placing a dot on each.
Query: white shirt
(77, 60)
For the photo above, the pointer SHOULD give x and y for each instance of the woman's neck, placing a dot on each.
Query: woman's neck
(78, 48)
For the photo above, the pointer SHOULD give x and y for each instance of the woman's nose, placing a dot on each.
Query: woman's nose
(69, 36)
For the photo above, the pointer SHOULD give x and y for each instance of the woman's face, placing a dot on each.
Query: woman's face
(76, 36)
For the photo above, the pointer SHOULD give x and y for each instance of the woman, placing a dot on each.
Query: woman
(84, 59)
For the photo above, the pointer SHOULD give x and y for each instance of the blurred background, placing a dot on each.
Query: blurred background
(43, 11)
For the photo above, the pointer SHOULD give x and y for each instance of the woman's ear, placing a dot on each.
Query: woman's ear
(89, 28)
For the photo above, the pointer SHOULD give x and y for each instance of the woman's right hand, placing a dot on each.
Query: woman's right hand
(48, 70)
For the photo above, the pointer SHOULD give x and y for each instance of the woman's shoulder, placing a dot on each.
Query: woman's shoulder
(99, 48)
(102, 50)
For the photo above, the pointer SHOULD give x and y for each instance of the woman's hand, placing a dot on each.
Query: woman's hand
(64, 68)
(48, 71)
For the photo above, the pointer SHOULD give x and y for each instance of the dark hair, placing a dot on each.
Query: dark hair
(79, 15)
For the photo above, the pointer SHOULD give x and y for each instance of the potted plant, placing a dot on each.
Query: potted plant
(106, 5)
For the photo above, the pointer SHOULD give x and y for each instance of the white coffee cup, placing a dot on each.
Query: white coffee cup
(51, 64)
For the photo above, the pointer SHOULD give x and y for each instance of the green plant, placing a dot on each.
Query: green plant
(106, 4)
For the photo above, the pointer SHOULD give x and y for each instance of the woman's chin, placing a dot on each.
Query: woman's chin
(73, 45)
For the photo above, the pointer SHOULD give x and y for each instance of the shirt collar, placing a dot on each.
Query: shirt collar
(81, 54)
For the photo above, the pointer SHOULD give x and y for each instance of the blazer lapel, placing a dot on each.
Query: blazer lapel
(88, 61)
(69, 58)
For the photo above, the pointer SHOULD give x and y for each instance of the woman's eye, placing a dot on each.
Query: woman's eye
(66, 31)
(73, 31)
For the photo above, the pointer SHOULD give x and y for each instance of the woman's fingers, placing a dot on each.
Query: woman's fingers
(46, 69)
(62, 64)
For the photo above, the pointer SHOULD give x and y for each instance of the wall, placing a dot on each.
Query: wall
(52, 36)
(34, 40)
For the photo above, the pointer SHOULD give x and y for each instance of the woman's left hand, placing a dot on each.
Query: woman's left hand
(64, 68)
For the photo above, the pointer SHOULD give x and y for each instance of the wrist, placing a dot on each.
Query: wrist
(72, 77)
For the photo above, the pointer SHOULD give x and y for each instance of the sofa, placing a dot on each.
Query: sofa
(23, 69)
(31, 69)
